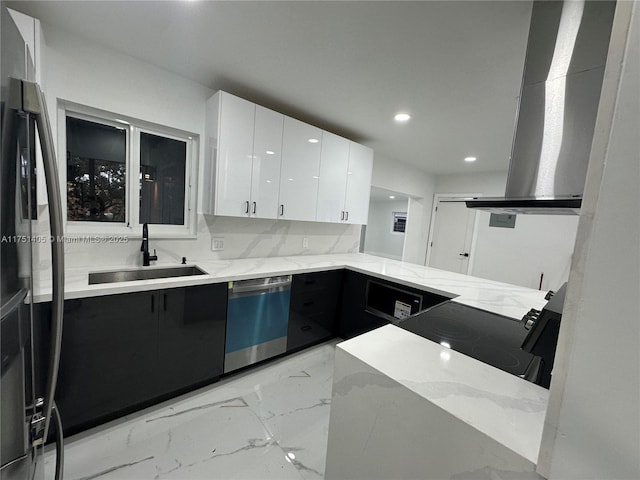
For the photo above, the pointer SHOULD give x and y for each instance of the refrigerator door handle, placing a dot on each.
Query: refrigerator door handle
(33, 102)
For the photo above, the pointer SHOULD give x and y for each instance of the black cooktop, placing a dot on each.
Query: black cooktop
(485, 336)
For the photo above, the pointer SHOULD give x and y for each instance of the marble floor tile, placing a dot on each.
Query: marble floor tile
(270, 422)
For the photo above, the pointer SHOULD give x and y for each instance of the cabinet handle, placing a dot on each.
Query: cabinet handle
(165, 302)
(153, 298)
(342, 215)
(254, 207)
(347, 217)
(281, 210)
(308, 303)
(246, 207)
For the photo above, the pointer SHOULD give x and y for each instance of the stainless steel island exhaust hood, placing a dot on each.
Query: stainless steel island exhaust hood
(563, 72)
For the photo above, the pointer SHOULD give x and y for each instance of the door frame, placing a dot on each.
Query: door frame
(453, 197)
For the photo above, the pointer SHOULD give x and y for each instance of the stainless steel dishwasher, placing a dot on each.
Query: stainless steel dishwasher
(257, 320)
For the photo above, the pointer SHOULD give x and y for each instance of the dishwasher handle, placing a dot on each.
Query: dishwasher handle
(260, 285)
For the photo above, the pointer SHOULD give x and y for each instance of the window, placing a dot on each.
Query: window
(162, 177)
(96, 171)
(399, 222)
(122, 173)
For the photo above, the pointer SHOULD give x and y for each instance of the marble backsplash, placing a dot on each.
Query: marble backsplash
(242, 237)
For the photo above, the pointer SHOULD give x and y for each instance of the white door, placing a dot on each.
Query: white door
(358, 184)
(450, 244)
(300, 170)
(334, 161)
(267, 154)
(235, 151)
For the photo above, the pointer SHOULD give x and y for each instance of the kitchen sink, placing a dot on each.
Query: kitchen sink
(143, 274)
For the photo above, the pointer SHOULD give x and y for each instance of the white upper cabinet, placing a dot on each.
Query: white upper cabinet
(245, 149)
(267, 155)
(230, 125)
(345, 181)
(356, 203)
(300, 171)
(260, 163)
(31, 33)
(334, 162)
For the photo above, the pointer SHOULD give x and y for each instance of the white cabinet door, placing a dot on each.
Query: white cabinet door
(300, 170)
(334, 161)
(358, 184)
(234, 156)
(267, 155)
(30, 32)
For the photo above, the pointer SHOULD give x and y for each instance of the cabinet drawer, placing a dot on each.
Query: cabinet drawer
(314, 307)
(318, 281)
(310, 303)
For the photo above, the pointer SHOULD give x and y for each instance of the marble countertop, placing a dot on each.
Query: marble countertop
(505, 407)
(500, 405)
(504, 299)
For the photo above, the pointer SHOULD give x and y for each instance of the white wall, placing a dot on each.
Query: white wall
(418, 186)
(488, 184)
(592, 427)
(86, 73)
(379, 239)
(538, 243)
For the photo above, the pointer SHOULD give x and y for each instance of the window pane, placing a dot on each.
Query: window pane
(163, 164)
(399, 221)
(96, 171)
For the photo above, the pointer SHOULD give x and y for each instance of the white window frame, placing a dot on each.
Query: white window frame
(132, 226)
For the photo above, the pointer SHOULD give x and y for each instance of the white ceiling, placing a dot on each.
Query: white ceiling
(344, 66)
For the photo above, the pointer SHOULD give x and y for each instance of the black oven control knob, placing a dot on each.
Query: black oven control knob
(530, 318)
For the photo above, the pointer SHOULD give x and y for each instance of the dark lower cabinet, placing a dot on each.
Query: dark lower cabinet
(123, 352)
(354, 319)
(191, 335)
(109, 352)
(313, 308)
(364, 308)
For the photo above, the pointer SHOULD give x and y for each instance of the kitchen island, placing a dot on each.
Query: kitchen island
(404, 407)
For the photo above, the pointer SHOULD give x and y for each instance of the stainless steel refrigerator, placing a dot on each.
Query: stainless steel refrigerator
(25, 418)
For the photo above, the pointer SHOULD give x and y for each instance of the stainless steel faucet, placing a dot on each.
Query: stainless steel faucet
(144, 248)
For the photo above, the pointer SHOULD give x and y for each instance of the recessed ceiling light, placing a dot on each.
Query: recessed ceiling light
(270, 152)
(392, 197)
(313, 140)
(402, 117)
(470, 159)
